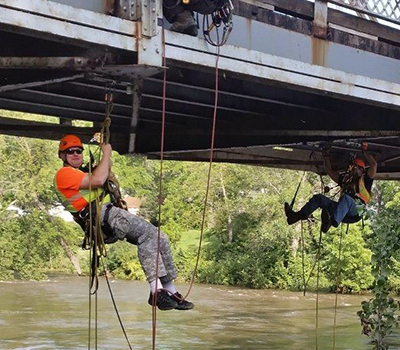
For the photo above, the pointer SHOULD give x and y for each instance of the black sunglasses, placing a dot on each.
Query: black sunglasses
(73, 151)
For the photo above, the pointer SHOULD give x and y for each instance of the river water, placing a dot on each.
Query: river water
(54, 315)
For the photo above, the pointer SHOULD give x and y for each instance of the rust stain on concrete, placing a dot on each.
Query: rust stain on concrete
(319, 51)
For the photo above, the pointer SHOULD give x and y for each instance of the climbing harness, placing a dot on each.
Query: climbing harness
(221, 17)
(361, 197)
(216, 14)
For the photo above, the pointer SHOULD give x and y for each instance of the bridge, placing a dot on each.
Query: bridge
(293, 76)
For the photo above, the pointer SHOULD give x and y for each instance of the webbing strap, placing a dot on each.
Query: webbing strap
(301, 180)
(297, 190)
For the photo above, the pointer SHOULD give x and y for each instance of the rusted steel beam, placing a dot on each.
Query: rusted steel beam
(49, 62)
(18, 127)
(31, 84)
(54, 110)
(11, 124)
(383, 145)
(334, 134)
(390, 159)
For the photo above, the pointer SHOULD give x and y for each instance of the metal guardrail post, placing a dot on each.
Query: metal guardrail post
(150, 39)
(127, 9)
(320, 23)
(149, 18)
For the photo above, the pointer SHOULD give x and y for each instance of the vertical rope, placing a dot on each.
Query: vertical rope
(96, 241)
(303, 258)
(162, 139)
(209, 171)
(90, 262)
(337, 284)
(90, 306)
(96, 318)
(315, 261)
(317, 292)
(154, 313)
(317, 309)
(115, 305)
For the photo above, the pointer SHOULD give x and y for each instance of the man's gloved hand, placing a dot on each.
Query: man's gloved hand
(106, 148)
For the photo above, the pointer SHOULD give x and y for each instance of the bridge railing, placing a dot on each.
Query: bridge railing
(388, 10)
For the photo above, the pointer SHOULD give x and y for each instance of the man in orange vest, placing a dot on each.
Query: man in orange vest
(78, 189)
(355, 184)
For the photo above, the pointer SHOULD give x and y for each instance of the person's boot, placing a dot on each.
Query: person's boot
(182, 303)
(164, 300)
(325, 221)
(185, 23)
(292, 216)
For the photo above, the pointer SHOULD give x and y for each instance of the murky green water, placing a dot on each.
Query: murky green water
(54, 315)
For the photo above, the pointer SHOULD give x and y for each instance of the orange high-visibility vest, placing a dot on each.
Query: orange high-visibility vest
(363, 193)
(67, 182)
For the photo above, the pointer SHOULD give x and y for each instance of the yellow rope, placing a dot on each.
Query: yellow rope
(96, 241)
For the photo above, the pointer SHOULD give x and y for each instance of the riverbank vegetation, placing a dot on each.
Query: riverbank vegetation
(247, 241)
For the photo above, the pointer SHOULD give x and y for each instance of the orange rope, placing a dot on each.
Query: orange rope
(164, 97)
(337, 285)
(209, 172)
(154, 307)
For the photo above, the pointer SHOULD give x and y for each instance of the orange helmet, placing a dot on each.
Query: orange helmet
(359, 162)
(69, 141)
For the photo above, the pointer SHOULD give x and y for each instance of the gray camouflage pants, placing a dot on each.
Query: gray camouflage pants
(138, 231)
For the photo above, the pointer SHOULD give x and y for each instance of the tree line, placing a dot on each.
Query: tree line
(247, 240)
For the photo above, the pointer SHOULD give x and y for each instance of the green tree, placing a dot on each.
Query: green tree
(378, 315)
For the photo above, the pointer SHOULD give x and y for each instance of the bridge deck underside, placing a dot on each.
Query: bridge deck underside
(261, 121)
(253, 119)
(256, 119)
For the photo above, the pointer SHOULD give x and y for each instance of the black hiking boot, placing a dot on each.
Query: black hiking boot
(325, 221)
(164, 300)
(292, 216)
(182, 303)
(185, 23)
